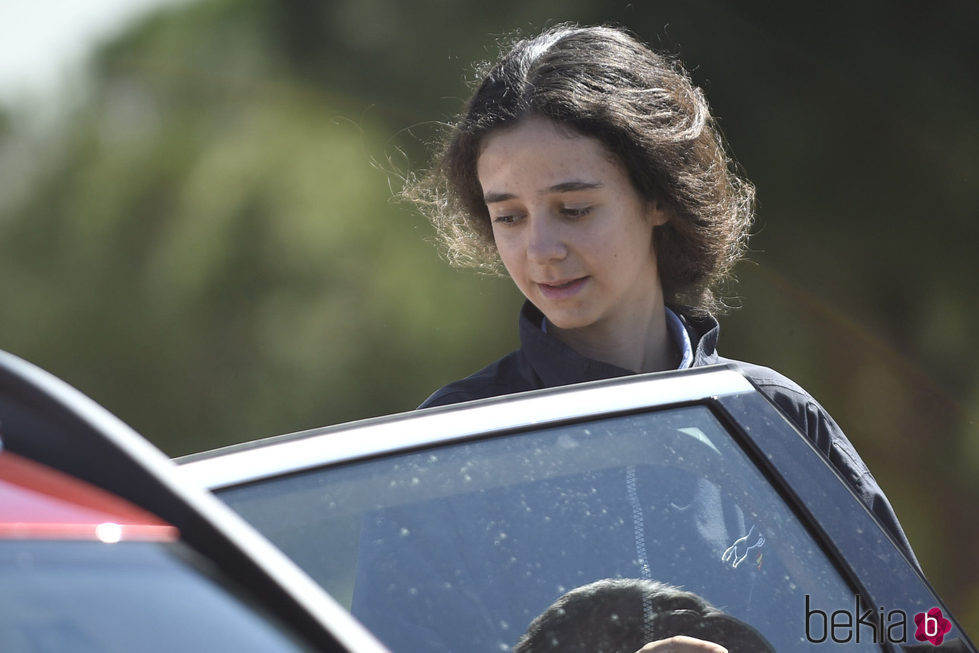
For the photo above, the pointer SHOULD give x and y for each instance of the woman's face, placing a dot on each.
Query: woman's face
(572, 231)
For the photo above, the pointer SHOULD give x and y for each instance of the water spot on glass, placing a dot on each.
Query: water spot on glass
(413, 591)
(404, 532)
(504, 625)
(415, 480)
(565, 441)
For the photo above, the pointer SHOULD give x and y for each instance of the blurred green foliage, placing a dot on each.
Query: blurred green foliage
(206, 242)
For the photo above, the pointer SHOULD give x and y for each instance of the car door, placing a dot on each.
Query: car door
(452, 528)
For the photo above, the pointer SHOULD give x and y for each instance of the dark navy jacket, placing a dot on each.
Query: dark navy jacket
(545, 362)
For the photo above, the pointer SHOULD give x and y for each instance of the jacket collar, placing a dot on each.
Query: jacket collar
(704, 331)
(557, 364)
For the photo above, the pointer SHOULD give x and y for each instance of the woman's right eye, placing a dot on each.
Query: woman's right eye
(505, 219)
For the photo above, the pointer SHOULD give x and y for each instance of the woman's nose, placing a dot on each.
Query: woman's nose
(545, 241)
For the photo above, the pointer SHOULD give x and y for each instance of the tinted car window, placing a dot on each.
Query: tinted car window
(459, 547)
(87, 597)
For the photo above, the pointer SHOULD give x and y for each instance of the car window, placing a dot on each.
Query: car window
(458, 547)
(71, 596)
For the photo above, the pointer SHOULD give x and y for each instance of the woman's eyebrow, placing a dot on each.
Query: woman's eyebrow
(489, 198)
(563, 187)
(569, 186)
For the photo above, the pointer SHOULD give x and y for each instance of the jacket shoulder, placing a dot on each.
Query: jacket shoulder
(802, 410)
(507, 375)
(783, 391)
(828, 438)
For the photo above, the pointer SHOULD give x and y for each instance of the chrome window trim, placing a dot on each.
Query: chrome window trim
(330, 445)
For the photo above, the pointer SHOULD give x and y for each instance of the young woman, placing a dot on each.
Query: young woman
(591, 168)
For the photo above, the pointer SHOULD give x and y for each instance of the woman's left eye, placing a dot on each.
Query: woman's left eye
(575, 211)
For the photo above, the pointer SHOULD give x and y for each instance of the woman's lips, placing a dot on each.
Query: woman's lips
(561, 289)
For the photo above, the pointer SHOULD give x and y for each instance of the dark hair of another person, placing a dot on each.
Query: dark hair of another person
(642, 106)
(623, 615)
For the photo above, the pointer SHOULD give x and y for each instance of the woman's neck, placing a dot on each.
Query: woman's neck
(641, 343)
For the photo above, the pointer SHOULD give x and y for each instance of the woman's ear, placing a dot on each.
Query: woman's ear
(656, 212)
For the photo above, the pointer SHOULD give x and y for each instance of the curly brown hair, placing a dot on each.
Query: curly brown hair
(642, 106)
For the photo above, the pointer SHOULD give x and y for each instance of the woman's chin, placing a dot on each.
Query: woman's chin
(566, 320)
